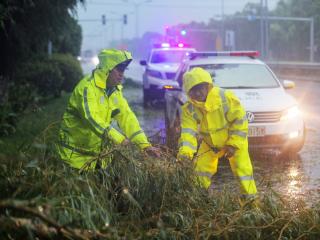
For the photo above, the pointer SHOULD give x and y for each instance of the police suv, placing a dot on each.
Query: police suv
(275, 121)
(161, 67)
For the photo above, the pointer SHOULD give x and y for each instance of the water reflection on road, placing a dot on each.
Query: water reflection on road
(282, 174)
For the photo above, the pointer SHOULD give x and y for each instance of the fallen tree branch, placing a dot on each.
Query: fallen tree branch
(23, 206)
(16, 226)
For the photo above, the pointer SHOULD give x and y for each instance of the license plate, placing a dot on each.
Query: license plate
(256, 131)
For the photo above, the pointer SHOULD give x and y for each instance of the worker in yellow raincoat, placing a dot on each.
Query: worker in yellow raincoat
(96, 102)
(217, 118)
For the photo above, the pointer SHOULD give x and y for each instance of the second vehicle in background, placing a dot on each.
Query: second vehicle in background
(161, 67)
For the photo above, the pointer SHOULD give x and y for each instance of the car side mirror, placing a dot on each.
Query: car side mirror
(143, 62)
(287, 84)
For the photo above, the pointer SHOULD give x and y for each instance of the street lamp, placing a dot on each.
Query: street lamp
(136, 7)
(222, 24)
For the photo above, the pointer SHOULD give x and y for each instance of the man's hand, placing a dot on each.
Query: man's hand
(229, 151)
(153, 151)
(125, 142)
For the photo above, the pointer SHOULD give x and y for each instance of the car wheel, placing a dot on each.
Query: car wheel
(146, 97)
(172, 132)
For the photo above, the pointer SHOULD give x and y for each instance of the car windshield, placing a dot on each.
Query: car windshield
(240, 75)
(168, 56)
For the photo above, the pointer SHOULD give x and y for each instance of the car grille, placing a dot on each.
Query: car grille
(266, 140)
(266, 117)
(170, 75)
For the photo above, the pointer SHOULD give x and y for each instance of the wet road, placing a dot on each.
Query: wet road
(297, 176)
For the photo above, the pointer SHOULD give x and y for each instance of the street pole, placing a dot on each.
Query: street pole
(122, 41)
(49, 48)
(261, 29)
(312, 40)
(267, 30)
(136, 5)
(222, 25)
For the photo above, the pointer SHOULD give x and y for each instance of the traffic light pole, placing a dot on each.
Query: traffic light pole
(311, 21)
(276, 18)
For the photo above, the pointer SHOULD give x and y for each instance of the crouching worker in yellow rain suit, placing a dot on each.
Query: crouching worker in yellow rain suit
(219, 118)
(96, 101)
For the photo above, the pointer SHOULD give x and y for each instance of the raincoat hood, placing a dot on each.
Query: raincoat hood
(194, 77)
(109, 59)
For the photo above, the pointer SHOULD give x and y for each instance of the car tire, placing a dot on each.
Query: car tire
(147, 97)
(172, 133)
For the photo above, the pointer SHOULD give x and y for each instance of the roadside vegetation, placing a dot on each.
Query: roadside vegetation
(32, 72)
(137, 197)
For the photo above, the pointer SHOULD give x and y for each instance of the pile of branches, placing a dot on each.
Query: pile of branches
(137, 197)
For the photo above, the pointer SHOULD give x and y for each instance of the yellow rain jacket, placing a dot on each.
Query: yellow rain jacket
(219, 121)
(86, 125)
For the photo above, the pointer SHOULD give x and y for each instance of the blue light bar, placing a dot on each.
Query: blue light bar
(251, 54)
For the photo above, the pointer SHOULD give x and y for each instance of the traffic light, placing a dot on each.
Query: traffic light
(125, 19)
(103, 19)
(183, 32)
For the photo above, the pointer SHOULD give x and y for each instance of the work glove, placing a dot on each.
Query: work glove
(152, 151)
(229, 151)
(125, 142)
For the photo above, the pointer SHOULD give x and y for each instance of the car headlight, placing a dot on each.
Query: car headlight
(153, 73)
(290, 113)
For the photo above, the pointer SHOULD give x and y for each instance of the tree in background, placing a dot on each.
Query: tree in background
(27, 73)
(297, 34)
(27, 26)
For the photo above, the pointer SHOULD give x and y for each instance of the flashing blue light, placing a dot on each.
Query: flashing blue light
(183, 32)
(252, 54)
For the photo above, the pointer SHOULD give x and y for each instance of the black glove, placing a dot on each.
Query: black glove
(229, 151)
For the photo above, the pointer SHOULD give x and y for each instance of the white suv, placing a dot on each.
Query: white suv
(161, 68)
(275, 121)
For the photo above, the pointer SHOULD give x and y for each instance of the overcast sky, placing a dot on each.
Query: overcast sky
(153, 15)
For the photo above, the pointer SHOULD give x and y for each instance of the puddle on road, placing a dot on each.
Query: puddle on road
(151, 119)
(282, 174)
